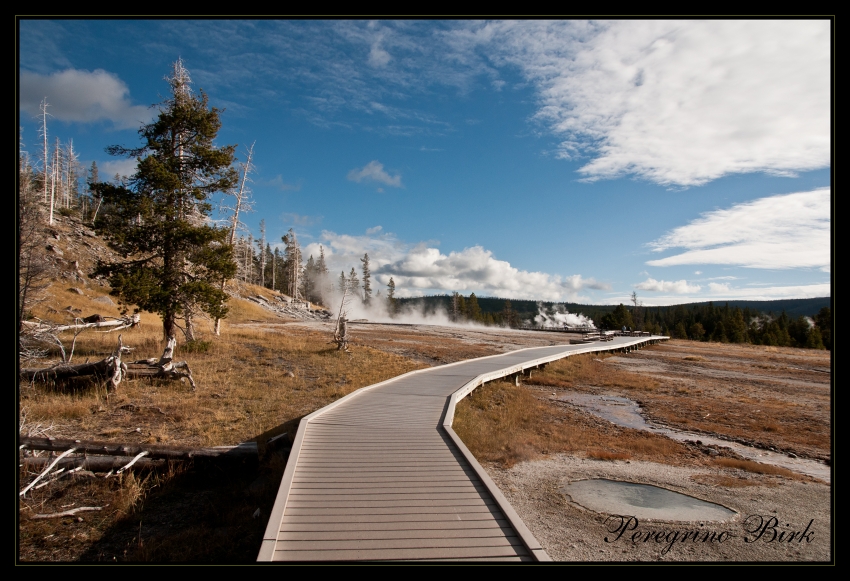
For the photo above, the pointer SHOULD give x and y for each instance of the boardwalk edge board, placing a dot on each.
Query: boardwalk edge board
(270, 538)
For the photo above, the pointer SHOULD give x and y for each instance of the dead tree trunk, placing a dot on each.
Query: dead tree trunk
(114, 370)
(341, 337)
(163, 368)
(92, 322)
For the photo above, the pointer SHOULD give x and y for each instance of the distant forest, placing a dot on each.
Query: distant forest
(786, 323)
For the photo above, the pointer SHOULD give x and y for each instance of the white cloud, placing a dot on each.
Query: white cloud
(374, 171)
(277, 182)
(378, 57)
(785, 231)
(122, 167)
(768, 293)
(299, 220)
(678, 286)
(717, 287)
(374, 230)
(82, 96)
(677, 102)
(423, 269)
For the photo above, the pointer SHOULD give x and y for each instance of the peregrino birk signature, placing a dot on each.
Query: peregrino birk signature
(757, 528)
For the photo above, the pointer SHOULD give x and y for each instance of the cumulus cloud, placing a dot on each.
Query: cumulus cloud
(83, 97)
(422, 269)
(374, 230)
(676, 102)
(669, 286)
(374, 172)
(777, 232)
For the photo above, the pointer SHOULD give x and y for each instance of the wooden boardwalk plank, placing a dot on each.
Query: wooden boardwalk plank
(380, 475)
(407, 554)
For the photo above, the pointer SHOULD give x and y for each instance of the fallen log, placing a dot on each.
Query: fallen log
(114, 370)
(92, 322)
(165, 367)
(97, 463)
(70, 512)
(111, 368)
(243, 451)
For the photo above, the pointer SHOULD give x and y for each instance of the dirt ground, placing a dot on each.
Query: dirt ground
(775, 399)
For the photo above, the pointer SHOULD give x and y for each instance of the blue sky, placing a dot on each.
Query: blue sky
(564, 160)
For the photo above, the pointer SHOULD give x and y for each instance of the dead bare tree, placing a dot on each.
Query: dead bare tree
(45, 156)
(340, 336)
(34, 266)
(241, 203)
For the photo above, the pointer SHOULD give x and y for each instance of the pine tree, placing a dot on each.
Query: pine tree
(473, 310)
(309, 285)
(292, 264)
(354, 283)
(391, 304)
(261, 244)
(175, 261)
(325, 286)
(367, 277)
(275, 260)
(454, 311)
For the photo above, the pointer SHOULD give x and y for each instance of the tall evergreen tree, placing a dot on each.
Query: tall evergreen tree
(391, 304)
(292, 264)
(473, 310)
(367, 277)
(175, 261)
(354, 283)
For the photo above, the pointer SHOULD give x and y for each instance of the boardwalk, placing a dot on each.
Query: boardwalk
(380, 474)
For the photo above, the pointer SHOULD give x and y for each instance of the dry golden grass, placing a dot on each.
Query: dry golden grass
(720, 395)
(506, 424)
(590, 370)
(244, 387)
(599, 454)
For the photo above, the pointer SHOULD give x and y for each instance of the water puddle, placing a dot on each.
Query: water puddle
(642, 501)
(625, 412)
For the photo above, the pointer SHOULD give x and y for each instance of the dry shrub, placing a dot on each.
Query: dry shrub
(598, 454)
(724, 481)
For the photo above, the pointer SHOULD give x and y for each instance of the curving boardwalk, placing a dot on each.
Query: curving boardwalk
(381, 475)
